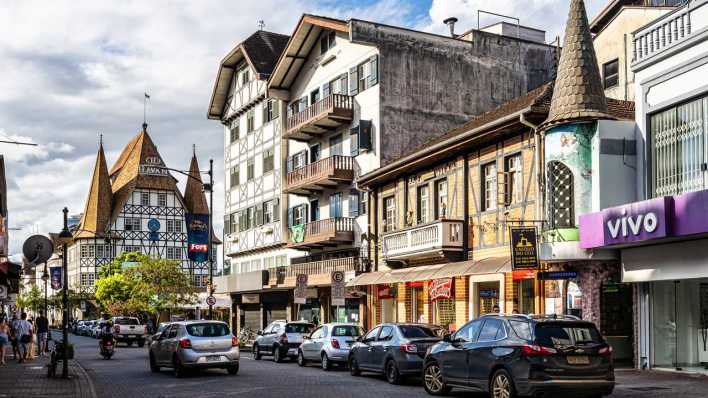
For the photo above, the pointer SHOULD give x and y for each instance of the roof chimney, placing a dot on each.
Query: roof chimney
(450, 22)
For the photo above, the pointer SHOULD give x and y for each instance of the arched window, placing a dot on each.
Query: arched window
(560, 194)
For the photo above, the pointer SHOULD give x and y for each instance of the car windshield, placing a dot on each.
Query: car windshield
(560, 335)
(417, 331)
(207, 329)
(299, 327)
(346, 331)
(126, 321)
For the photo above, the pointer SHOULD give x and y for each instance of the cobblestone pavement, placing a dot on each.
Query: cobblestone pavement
(127, 375)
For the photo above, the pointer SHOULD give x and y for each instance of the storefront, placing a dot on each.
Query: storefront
(664, 254)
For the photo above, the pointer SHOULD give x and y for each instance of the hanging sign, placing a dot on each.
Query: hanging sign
(301, 289)
(384, 292)
(198, 237)
(339, 290)
(524, 252)
(55, 276)
(440, 289)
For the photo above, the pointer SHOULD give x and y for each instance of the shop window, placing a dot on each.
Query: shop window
(513, 180)
(423, 204)
(389, 213)
(444, 312)
(561, 195)
(524, 302)
(441, 199)
(610, 73)
(489, 186)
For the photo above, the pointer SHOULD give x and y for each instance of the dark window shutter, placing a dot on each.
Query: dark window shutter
(374, 72)
(326, 90)
(276, 209)
(276, 109)
(354, 141)
(227, 224)
(289, 164)
(365, 135)
(290, 217)
(306, 212)
(353, 81)
(343, 89)
(354, 204)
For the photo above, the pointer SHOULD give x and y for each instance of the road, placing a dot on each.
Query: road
(127, 376)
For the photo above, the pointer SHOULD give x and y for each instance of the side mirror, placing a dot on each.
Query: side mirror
(260, 333)
(447, 338)
(359, 339)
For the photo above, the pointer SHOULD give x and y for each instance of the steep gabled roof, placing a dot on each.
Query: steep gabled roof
(97, 211)
(194, 197)
(578, 93)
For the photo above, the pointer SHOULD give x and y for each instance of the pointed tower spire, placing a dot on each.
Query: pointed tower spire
(97, 212)
(578, 93)
(194, 197)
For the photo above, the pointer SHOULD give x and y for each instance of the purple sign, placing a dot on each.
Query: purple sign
(669, 216)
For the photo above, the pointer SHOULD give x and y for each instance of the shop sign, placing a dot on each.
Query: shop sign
(339, 289)
(250, 298)
(385, 292)
(489, 293)
(555, 275)
(524, 250)
(301, 289)
(440, 289)
(523, 274)
(416, 284)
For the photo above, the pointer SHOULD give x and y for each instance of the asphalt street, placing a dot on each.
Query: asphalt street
(128, 375)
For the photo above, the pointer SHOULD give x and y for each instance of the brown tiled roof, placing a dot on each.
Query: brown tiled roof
(263, 49)
(97, 212)
(578, 93)
(194, 198)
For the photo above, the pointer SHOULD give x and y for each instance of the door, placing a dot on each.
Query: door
(319, 342)
(168, 345)
(382, 346)
(314, 210)
(363, 349)
(265, 338)
(455, 359)
(335, 205)
(481, 359)
(309, 346)
(314, 153)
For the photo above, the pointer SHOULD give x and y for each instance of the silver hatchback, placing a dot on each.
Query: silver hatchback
(195, 345)
(328, 344)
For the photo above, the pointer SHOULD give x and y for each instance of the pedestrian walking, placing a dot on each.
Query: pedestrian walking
(42, 324)
(14, 337)
(23, 333)
(4, 339)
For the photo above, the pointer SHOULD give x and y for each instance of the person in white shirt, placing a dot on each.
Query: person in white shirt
(23, 331)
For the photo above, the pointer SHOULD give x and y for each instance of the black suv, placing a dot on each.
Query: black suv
(510, 355)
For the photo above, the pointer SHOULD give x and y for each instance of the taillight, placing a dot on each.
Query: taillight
(234, 341)
(537, 350)
(409, 348)
(185, 343)
(284, 339)
(109, 342)
(605, 351)
(335, 343)
(116, 329)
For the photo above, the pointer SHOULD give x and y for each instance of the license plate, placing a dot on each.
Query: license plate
(579, 360)
(213, 358)
(292, 351)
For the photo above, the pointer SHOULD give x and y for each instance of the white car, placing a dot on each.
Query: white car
(328, 344)
(128, 330)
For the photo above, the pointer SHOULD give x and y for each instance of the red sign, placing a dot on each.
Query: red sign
(523, 274)
(416, 284)
(440, 289)
(384, 292)
(198, 248)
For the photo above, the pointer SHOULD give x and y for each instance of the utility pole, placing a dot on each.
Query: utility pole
(65, 237)
(211, 237)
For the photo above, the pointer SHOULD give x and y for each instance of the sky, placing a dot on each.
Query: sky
(72, 70)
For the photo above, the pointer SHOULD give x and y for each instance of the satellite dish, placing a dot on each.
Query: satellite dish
(37, 249)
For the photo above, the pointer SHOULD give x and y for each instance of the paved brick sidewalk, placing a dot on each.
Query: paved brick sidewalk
(29, 379)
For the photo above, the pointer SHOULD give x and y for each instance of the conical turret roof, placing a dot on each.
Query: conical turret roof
(578, 94)
(97, 212)
(194, 197)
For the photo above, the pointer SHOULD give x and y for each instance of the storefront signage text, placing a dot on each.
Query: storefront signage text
(524, 252)
(385, 292)
(523, 274)
(440, 289)
(555, 275)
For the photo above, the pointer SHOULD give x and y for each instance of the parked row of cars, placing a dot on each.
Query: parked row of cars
(126, 329)
(504, 355)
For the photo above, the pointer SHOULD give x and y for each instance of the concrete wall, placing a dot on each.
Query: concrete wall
(431, 83)
(613, 164)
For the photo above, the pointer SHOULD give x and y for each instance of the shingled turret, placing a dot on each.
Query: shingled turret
(97, 211)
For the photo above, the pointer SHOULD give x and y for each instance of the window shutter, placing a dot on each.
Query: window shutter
(354, 141)
(343, 89)
(354, 204)
(289, 164)
(290, 217)
(353, 81)
(276, 109)
(264, 104)
(306, 212)
(373, 70)
(276, 209)
(326, 90)
(365, 135)
(227, 224)
(259, 215)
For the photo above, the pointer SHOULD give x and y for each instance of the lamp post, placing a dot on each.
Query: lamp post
(65, 237)
(45, 278)
(211, 252)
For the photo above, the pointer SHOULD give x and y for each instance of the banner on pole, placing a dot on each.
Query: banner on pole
(55, 277)
(197, 237)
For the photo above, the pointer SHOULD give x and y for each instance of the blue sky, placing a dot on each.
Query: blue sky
(75, 69)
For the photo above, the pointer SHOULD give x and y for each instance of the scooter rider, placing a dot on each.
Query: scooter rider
(106, 332)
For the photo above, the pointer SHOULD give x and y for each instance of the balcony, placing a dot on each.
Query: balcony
(321, 117)
(320, 233)
(322, 174)
(442, 238)
(319, 272)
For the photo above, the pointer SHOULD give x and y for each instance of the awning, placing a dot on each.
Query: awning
(491, 265)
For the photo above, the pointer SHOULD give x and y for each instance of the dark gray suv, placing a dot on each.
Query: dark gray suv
(394, 349)
(510, 355)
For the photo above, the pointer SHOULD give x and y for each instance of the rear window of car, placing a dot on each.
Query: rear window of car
(522, 329)
(346, 331)
(558, 335)
(299, 328)
(413, 332)
(126, 321)
(207, 329)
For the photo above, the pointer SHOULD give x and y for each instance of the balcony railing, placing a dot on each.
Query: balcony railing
(667, 31)
(327, 232)
(325, 173)
(424, 240)
(320, 117)
(327, 266)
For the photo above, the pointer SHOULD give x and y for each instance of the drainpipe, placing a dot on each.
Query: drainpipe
(466, 208)
(538, 139)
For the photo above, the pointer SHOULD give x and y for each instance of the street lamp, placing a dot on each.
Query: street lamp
(65, 238)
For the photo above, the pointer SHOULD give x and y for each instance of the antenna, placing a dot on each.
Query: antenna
(261, 24)
(100, 139)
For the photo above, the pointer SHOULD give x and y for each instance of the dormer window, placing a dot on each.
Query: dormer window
(327, 41)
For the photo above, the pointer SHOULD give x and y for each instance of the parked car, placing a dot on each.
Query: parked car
(77, 327)
(195, 345)
(328, 344)
(394, 349)
(129, 330)
(85, 329)
(281, 339)
(521, 355)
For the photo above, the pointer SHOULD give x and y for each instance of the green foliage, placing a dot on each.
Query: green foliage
(116, 266)
(31, 299)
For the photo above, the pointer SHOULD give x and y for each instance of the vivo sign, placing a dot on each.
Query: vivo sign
(632, 225)
(635, 221)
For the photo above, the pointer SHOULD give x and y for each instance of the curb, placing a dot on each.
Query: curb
(91, 387)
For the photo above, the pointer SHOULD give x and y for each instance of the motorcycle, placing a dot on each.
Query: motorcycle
(106, 346)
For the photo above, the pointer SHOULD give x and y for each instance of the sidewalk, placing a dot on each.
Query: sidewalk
(29, 379)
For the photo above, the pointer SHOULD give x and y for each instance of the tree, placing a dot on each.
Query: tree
(116, 266)
(162, 283)
(31, 299)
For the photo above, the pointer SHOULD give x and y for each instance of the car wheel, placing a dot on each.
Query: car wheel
(433, 380)
(177, 368)
(232, 370)
(129, 343)
(141, 343)
(392, 374)
(301, 361)
(153, 365)
(502, 385)
(326, 364)
(256, 353)
(354, 366)
(276, 355)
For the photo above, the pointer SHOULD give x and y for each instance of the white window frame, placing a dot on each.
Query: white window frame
(144, 198)
(162, 199)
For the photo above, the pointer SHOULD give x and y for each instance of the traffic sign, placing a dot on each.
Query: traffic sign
(211, 300)
(338, 288)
